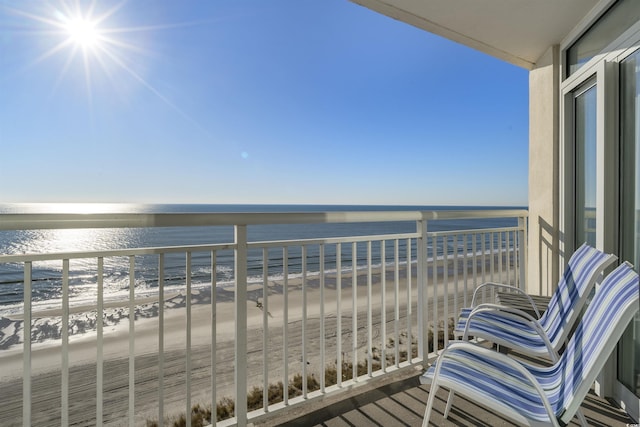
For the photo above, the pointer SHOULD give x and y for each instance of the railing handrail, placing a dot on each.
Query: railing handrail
(154, 250)
(108, 253)
(31, 221)
(470, 231)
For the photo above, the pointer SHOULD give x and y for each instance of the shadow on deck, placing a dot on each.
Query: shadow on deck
(403, 402)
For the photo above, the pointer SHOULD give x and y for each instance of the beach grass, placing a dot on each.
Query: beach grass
(225, 408)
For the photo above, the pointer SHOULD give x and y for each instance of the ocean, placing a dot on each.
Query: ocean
(47, 276)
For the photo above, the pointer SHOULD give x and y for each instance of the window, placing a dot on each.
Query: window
(622, 15)
(585, 122)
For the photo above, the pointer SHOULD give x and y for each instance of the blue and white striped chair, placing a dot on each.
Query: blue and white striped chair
(537, 395)
(543, 336)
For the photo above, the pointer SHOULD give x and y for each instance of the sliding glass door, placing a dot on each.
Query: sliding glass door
(602, 190)
(628, 372)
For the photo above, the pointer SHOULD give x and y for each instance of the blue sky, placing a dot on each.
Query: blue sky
(252, 101)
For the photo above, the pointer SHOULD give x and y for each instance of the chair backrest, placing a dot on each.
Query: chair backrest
(612, 308)
(575, 285)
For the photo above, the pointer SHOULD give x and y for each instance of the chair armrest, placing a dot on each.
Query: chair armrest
(504, 286)
(528, 379)
(516, 315)
(507, 310)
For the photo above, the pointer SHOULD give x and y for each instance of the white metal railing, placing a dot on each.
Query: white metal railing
(380, 300)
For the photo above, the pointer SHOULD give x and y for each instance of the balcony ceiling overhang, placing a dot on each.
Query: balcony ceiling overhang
(516, 31)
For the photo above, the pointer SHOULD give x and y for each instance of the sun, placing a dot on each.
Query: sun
(83, 32)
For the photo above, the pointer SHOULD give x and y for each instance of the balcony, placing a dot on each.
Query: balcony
(240, 315)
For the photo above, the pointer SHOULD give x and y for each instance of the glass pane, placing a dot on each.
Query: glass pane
(622, 15)
(629, 347)
(585, 191)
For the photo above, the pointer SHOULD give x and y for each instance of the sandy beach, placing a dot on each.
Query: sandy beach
(46, 355)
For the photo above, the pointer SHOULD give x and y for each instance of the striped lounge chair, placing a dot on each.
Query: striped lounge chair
(536, 395)
(543, 336)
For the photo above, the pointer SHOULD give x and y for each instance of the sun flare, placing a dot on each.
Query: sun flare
(85, 34)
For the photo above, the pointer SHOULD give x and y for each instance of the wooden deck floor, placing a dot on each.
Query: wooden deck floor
(403, 403)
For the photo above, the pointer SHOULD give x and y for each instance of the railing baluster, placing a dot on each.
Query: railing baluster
(522, 252)
(99, 342)
(240, 375)
(304, 321)
(214, 345)
(508, 242)
(408, 281)
(322, 326)
(64, 404)
(188, 355)
(445, 298)
(396, 301)
(505, 257)
(285, 322)
(161, 340)
(501, 253)
(465, 270)
(483, 238)
(423, 300)
(354, 310)
(265, 330)
(132, 341)
(455, 250)
(492, 263)
(434, 273)
(26, 338)
(383, 305)
(369, 312)
(492, 249)
(514, 256)
(474, 254)
(339, 358)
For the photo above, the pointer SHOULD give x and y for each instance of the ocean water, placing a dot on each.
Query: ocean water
(47, 276)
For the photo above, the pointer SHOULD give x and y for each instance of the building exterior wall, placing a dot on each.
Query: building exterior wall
(544, 235)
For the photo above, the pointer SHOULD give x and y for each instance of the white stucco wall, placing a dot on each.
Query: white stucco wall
(544, 174)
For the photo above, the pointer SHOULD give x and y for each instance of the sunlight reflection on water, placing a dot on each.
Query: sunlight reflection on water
(74, 240)
(83, 273)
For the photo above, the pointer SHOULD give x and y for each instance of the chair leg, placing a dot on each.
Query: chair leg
(449, 404)
(427, 411)
(581, 418)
